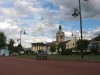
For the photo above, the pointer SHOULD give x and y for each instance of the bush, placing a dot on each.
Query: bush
(67, 52)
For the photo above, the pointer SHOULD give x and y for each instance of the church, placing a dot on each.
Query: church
(60, 37)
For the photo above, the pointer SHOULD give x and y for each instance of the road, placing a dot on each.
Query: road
(26, 66)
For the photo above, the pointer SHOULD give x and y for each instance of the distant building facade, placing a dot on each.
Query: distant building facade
(94, 44)
(38, 46)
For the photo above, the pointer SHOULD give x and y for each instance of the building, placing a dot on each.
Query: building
(38, 46)
(71, 44)
(94, 44)
(4, 51)
(60, 35)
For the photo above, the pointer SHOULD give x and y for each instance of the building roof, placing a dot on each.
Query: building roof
(66, 41)
(96, 38)
(38, 43)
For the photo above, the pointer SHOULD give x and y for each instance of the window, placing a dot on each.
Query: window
(73, 44)
(67, 45)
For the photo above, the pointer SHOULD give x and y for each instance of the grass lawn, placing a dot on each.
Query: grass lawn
(66, 57)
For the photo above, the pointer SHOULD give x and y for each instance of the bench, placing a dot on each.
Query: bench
(42, 56)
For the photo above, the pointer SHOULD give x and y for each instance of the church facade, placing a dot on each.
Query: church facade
(60, 37)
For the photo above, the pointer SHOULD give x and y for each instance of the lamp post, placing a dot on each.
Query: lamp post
(21, 31)
(76, 13)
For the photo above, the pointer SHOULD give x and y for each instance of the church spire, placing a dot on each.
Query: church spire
(60, 27)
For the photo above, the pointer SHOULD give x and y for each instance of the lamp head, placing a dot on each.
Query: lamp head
(24, 32)
(75, 14)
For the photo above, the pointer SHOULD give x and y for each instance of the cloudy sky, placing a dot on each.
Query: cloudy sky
(41, 19)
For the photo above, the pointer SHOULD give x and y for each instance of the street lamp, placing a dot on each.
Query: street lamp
(76, 13)
(21, 31)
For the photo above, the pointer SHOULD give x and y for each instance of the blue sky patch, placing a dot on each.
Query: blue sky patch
(50, 6)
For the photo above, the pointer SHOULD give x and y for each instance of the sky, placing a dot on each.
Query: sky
(41, 19)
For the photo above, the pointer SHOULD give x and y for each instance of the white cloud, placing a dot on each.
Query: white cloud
(27, 14)
(90, 9)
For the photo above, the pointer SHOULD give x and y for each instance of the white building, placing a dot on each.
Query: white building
(94, 45)
(4, 51)
(38, 46)
(71, 43)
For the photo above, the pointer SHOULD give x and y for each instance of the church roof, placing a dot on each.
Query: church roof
(66, 41)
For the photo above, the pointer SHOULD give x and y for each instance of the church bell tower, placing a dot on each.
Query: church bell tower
(60, 36)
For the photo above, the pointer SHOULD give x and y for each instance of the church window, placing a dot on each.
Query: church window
(73, 44)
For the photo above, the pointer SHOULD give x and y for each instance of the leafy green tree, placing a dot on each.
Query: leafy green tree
(52, 48)
(11, 45)
(20, 48)
(16, 49)
(84, 44)
(62, 45)
(2, 40)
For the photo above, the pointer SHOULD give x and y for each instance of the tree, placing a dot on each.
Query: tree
(20, 48)
(11, 45)
(52, 48)
(62, 45)
(2, 40)
(84, 44)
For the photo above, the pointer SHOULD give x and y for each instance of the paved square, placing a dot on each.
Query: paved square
(25, 66)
